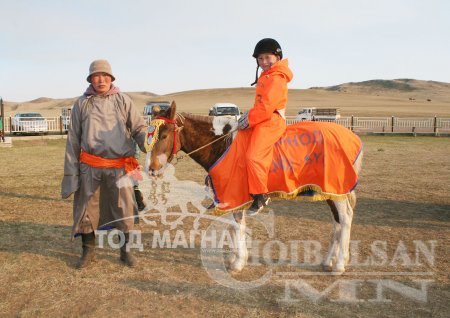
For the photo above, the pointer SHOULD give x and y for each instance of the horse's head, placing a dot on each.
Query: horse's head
(163, 140)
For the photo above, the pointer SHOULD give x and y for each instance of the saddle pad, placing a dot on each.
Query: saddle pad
(311, 161)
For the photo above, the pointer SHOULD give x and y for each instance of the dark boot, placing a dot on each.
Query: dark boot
(127, 257)
(259, 202)
(139, 199)
(88, 254)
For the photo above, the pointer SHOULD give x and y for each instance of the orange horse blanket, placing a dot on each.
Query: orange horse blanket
(311, 161)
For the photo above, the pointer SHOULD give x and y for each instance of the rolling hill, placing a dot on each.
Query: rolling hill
(399, 97)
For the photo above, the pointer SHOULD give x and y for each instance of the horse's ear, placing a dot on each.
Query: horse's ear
(173, 111)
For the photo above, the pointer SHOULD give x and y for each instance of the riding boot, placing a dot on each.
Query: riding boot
(259, 202)
(139, 199)
(88, 254)
(126, 256)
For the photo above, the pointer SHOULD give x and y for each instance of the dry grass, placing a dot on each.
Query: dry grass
(403, 196)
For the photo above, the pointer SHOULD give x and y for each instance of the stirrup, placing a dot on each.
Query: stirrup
(259, 202)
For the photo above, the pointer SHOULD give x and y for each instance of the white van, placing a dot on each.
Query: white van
(224, 109)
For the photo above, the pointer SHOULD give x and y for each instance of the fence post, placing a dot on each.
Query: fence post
(60, 125)
(435, 125)
(392, 124)
(351, 123)
(2, 114)
(10, 125)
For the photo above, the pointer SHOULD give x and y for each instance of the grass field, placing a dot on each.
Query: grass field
(404, 196)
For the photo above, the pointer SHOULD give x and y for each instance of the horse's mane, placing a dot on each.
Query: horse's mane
(200, 118)
(210, 120)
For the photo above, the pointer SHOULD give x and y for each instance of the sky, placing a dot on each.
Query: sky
(169, 46)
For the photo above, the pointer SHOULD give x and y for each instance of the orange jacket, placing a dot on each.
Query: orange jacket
(271, 92)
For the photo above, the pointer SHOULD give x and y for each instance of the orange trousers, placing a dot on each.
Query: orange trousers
(259, 154)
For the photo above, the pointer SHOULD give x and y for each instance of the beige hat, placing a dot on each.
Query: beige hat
(100, 66)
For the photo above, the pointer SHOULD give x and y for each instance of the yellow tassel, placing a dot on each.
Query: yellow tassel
(280, 195)
(153, 128)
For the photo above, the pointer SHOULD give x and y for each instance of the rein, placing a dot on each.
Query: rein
(174, 150)
(204, 146)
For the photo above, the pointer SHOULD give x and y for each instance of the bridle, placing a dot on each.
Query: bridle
(175, 128)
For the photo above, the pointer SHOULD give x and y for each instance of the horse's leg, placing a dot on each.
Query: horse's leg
(351, 200)
(232, 257)
(345, 211)
(342, 221)
(330, 257)
(239, 259)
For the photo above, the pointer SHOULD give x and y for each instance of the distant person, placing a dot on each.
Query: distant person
(100, 149)
(155, 111)
(266, 118)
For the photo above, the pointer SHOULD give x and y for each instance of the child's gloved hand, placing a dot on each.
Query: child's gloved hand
(243, 121)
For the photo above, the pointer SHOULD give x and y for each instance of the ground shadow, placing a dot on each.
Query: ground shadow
(376, 212)
(29, 196)
(55, 241)
(270, 299)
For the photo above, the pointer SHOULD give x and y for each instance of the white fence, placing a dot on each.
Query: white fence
(391, 124)
(443, 124)
(357, 124)
(36, 125)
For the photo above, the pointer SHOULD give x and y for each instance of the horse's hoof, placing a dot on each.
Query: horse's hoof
(236, 267)
(339, 270)
(230, 260)
(327, 268)
(233, 271)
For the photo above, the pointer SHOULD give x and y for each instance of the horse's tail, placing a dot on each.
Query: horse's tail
(352, 199)
(357, 166)
(358, 163)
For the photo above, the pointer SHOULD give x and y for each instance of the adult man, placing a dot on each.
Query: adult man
(99, 151)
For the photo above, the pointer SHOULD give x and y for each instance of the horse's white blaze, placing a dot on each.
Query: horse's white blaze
(162, 158)
(148, 158)
(220, 122)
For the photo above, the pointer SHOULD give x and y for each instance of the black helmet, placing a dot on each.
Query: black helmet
(267, 45)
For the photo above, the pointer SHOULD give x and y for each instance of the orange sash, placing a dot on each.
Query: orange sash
(130, 164)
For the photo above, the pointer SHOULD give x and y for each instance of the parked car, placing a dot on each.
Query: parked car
(313, 113)
(224, 109)
(29, 123)
(65, 114)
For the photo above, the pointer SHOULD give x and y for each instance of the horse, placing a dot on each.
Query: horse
(205, 139)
